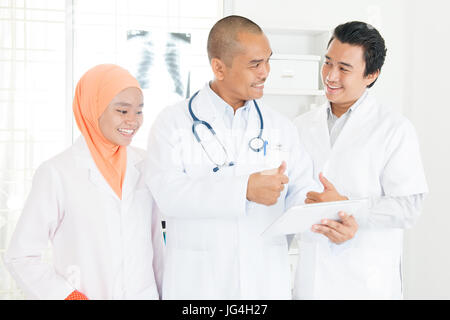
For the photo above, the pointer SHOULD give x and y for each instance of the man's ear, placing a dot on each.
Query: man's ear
(218, 68)
(372, 77)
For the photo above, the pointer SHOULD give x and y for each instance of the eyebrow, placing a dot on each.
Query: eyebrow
(340, 62)
(126, 104)
(258, 60)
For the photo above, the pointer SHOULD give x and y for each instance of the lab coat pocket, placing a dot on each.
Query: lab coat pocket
(191, 234)
(359, 169)
(202, 170)
(188, 274)
(275, 154)
(141, 204)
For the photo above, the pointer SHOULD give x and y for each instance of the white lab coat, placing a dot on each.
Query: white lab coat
(102, 246)
(214, 244)
(376, 155)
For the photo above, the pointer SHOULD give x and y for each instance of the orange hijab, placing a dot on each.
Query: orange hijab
(94, 91)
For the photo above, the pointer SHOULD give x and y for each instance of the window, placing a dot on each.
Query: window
(32, 105)
(45, 47)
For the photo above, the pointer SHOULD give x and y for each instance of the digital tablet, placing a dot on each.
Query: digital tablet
(301, 218)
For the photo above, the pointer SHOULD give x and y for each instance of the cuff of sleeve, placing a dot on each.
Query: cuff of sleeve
(76, 295)
(338, 248)
(241, 196)
(364, 216)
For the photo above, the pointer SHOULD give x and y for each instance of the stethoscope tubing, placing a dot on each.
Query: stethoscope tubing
(197, 121)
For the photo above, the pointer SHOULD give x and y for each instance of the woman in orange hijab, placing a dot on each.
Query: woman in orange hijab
(92, 204)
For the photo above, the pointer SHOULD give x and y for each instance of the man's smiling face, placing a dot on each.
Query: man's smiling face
(343, 74)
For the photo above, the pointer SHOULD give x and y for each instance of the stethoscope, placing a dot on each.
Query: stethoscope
(256, 144)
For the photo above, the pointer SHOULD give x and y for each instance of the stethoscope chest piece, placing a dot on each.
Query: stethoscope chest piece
(256, 144)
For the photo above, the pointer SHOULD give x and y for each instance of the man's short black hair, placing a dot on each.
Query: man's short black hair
(364, 35)
(223, 38)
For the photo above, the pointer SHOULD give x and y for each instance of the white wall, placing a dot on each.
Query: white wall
(427, 253)
(412, 81)
(386, 15)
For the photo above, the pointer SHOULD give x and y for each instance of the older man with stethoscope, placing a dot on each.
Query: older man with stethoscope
(219, 171)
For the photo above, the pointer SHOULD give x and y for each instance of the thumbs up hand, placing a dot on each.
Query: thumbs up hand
(329, 192)
(280, 170)
(266, 186)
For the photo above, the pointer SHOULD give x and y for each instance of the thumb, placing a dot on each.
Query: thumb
(282, 167)
(280, 170)
(327, 185)
(346, 218)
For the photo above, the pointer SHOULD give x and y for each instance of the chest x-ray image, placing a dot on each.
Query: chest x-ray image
(159, 62)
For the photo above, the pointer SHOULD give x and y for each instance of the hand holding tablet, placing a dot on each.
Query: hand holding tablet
(299, 219)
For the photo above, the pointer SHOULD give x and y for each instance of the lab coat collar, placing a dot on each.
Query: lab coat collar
(319, 131)
(209, 107)
(85, 160)
(353, 107)
(202, 105)
(359, 115)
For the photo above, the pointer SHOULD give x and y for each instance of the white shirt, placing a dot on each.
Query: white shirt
(234, 122)
(336, 124)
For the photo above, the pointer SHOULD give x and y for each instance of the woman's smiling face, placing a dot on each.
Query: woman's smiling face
(122, 117)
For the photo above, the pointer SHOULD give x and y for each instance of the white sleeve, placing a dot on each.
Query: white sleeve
(37, 225)
(403, 181)
(300, 173)
(392, 212)
(403, 173)
(179, 195)
(386, 212)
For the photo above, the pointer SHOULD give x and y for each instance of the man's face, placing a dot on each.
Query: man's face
(244, 79)
(343, 73)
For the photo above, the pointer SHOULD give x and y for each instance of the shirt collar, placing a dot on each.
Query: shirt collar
(220, 106)
(351, 109)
